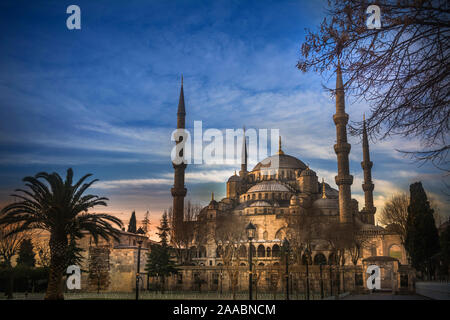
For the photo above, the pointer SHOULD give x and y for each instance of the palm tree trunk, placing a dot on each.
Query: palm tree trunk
(58, 251)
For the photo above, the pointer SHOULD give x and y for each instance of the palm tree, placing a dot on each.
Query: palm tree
(61, 208)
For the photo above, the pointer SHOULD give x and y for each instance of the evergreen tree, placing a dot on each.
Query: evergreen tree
(132, 224)
(159, 262)
(26, 254)
(146, 222)
(445, 250)
(422, 239)
(74, 256)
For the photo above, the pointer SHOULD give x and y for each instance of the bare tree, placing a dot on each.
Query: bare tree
(229, 237)
(402, 69)
(43, 253)
(395, 214)
(10, 242)
(189, 231)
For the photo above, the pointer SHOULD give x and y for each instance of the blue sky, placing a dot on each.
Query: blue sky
(103, 99)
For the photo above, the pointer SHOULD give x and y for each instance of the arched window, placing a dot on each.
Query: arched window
(276, 251)
(194, 252)
(253, 251)
(242, 251)
(320, 259)
(202, 252)
(269, 251)
(265, 235)
(261, 264)
(261, 251)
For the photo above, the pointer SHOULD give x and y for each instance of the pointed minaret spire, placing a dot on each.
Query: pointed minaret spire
(179, 191)
(212, 196)
(369, 210)
(280, 151)
(324, 195)
(244, 157)
(342, 148)
(181, 113)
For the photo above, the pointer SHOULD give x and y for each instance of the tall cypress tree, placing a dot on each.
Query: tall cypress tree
(132, 224)
(422, 239)
(159, 262)
(26, 254)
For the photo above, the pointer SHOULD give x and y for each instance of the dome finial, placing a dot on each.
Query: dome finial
(212, 196)
(324, 195)
(279, 146)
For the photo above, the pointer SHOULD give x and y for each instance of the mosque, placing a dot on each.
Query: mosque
(275, 190)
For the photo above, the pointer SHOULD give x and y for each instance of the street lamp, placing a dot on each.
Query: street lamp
(321, 280)
(286, 253)
(307, 253)
(138, 268)
(251, 231)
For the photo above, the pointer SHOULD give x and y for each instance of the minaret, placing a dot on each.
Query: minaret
(342, 148)
(368, 210)
(243, 172)
(178, 190)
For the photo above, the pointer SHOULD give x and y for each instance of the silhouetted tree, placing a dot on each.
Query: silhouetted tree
(146, 223)
(61, 208)
(422, 239)
(26, 254)
(132, 224)
(402, 69)
(159, 262)
(395, 214)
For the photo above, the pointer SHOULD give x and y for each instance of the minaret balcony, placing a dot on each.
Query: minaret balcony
(342, 147)
(178, 192)
(340, 118)
(368, 186)
(344, 180)
(366, 165)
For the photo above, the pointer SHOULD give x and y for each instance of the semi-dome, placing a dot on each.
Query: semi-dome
(260, 204)
(234, 178)
(269, 186)
(280, 161)
(326, 203)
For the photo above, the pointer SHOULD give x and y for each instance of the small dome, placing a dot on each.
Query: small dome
(260, 204)
(307, 172)
(269, 186)
(234, 178)
(213, 204)
(280, 161)
(326, 203)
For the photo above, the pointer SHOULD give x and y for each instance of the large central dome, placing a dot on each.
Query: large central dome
(280, 161)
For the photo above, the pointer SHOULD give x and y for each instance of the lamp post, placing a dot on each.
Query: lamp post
(286, 254)
(307, 253)
(138, 268)
(321, 280)
(251, 231)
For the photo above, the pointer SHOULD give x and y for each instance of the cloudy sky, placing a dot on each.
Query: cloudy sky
(103, 99)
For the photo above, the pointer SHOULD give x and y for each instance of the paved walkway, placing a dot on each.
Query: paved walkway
(384, 296)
